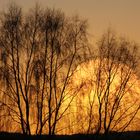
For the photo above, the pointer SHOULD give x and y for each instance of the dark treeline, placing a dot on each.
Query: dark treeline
(40, 53)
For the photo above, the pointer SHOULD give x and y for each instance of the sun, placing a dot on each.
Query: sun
(120, 112)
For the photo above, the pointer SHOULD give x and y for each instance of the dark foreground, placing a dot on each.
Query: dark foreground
(112, 136)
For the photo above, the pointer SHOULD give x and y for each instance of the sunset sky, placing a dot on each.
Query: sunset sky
(121, 15)
(54, 82)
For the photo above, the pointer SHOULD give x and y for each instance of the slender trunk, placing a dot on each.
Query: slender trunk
(50, 94)
(27, 118)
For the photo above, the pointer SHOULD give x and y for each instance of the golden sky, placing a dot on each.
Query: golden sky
(121, 15)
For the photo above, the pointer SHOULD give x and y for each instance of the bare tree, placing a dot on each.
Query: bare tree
(108, 100)
(116, 67)
(39, 54)
(11, 34)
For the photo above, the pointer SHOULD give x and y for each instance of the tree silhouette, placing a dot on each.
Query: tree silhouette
(109, 82)
(51, 82)
(39, 52)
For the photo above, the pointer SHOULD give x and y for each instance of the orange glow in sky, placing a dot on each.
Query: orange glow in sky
(121, 15)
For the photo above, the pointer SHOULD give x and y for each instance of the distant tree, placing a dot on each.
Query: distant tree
(115, 76)
(109, 97)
